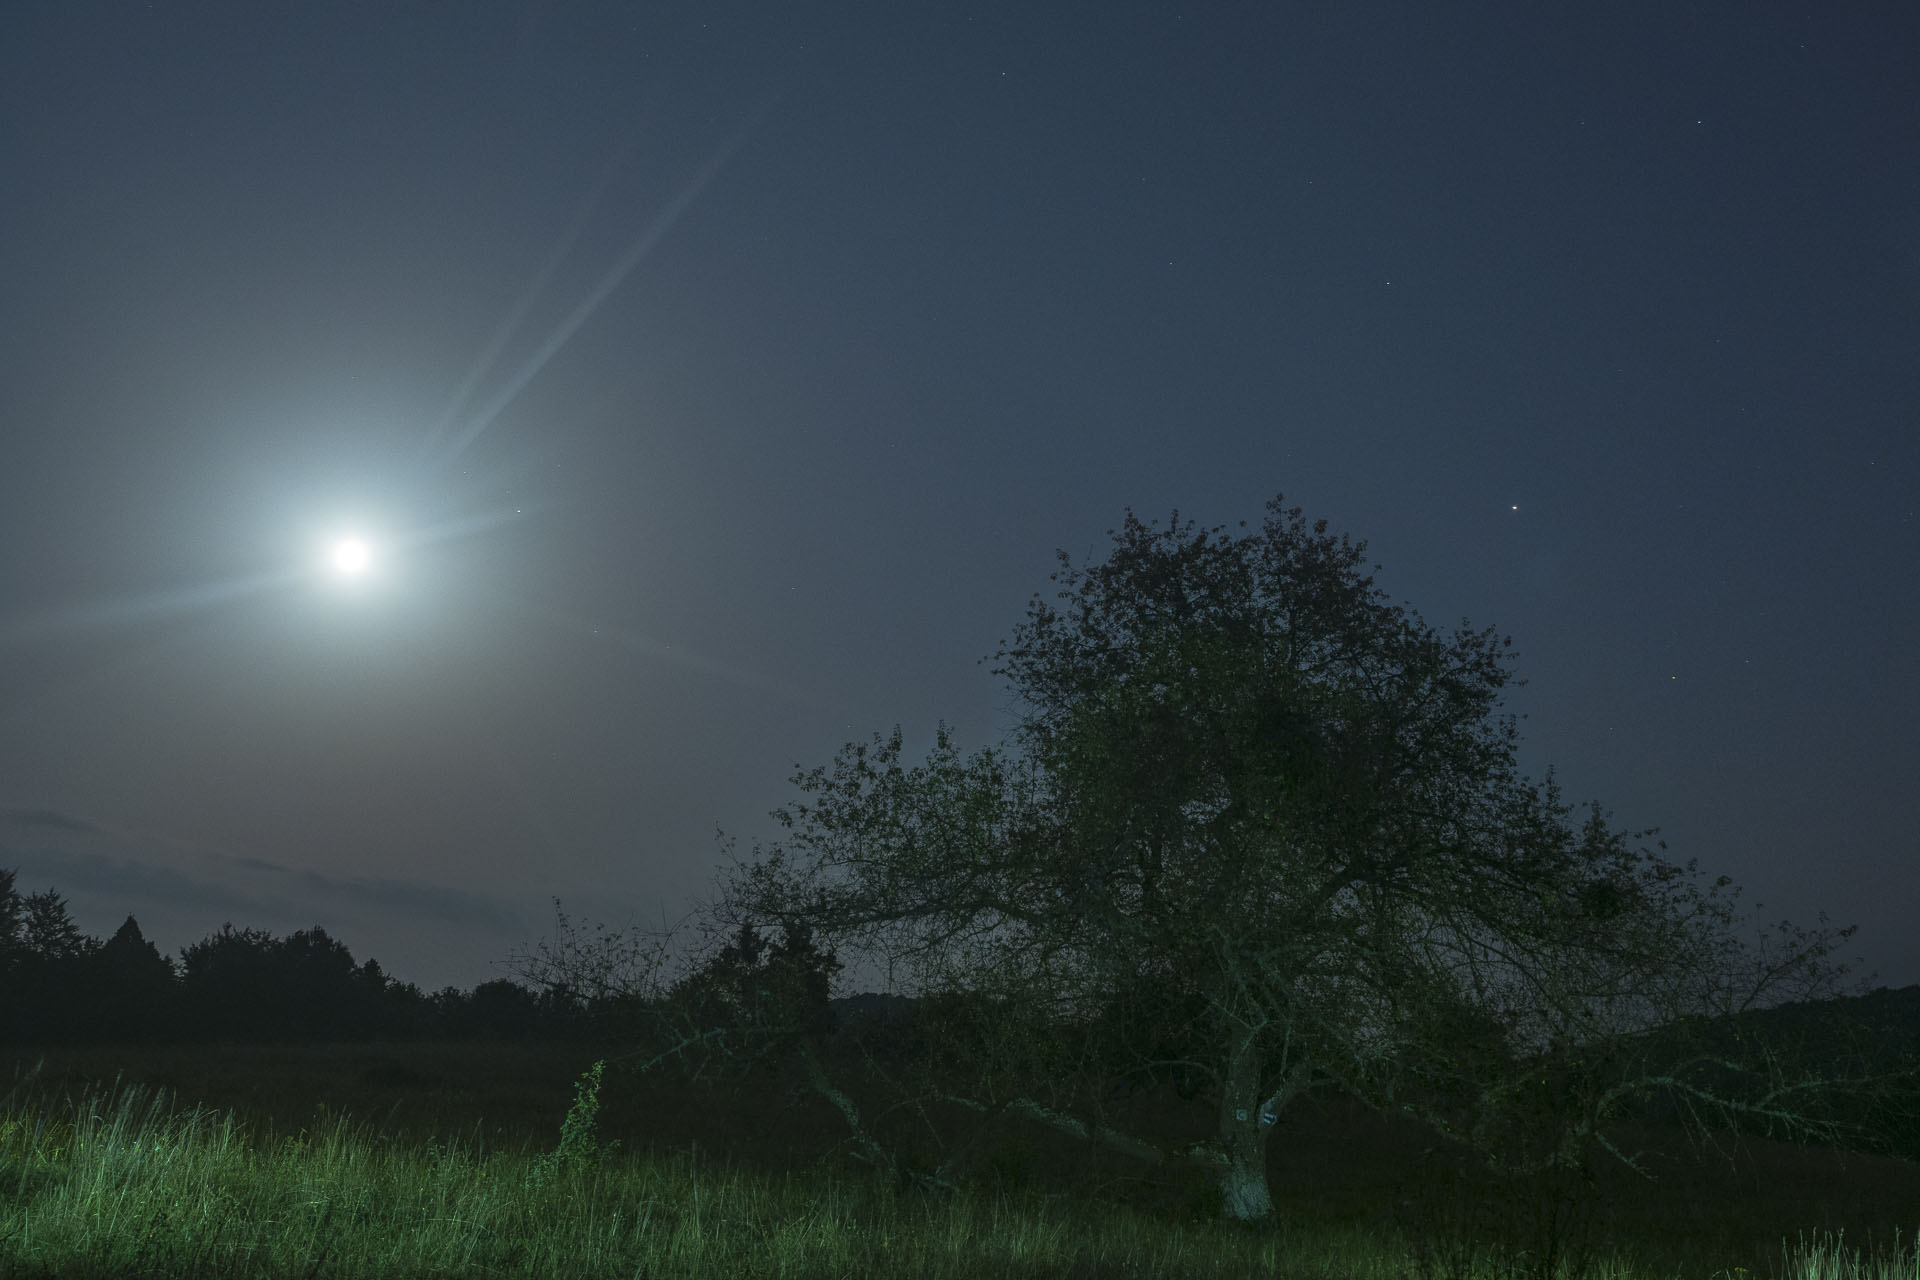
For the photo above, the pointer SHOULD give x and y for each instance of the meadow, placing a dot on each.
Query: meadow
(506, 1160)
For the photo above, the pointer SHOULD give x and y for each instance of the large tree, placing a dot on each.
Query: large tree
(1261, 830)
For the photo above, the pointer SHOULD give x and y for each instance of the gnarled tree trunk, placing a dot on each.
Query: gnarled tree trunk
(1239, 1154)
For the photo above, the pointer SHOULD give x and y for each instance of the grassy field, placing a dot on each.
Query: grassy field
(498, 1160)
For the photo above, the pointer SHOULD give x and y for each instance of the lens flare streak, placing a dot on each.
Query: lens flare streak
(622, 268)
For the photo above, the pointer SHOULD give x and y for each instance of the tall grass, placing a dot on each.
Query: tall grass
(117, 1183)
(1828, 1258)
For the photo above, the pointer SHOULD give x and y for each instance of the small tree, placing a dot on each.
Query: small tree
(1262, 829)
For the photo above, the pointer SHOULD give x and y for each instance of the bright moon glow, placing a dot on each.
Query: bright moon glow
(350, 557)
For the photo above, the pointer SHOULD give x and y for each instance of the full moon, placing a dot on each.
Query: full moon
(351, 557)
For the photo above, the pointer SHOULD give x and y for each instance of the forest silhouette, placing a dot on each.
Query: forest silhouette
(60, 986)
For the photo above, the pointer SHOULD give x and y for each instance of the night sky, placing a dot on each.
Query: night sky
(714, 385)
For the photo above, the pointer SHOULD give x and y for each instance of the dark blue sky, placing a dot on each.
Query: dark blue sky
(721, 380)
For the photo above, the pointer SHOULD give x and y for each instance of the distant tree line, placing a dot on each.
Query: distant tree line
(61, 986)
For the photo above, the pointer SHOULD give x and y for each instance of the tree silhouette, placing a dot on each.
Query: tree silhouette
(389, 1008)
(1264, 829)
(12, 920)
(767, 993)
(49, 931)
(315, 974)
(132, 989)
(49, 980)
(14, 1010)
(504, 1010)
(228, 988)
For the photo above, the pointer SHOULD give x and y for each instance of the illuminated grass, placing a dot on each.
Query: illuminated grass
(119, 1185)
(1828, 1258)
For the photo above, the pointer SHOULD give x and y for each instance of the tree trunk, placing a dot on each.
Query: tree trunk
(1243, 1185)
(1241, 1169)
